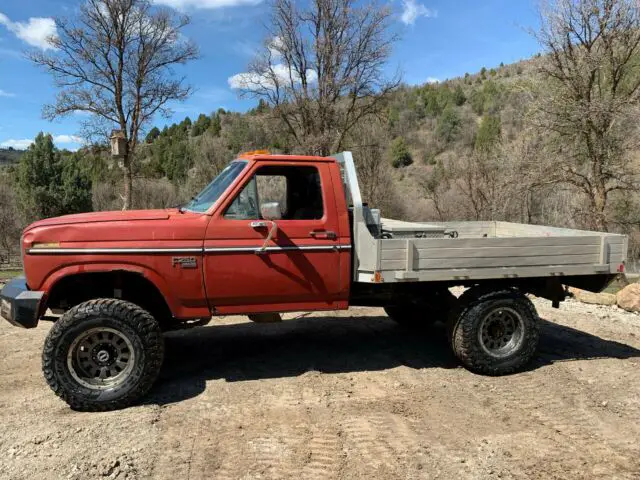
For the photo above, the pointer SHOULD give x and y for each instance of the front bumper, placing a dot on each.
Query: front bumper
(19, 305)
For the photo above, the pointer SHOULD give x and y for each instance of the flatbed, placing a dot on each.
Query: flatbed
(474, 251)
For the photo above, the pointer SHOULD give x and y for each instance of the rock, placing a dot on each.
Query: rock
(629, 298)
(592, 298)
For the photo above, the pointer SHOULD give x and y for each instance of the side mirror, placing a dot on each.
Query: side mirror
(271, 211)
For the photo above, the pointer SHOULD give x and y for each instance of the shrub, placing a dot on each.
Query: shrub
(448, 125)
(400, 155)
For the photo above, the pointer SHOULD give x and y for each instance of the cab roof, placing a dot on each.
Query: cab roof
(289, 158)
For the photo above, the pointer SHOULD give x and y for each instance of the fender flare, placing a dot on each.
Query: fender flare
(82, 268)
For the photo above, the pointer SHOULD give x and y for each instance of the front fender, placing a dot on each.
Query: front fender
(180, 307)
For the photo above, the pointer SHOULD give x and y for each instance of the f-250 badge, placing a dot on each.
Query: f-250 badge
(184, 262)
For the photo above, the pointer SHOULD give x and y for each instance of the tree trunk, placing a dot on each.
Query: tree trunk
(598, 206)
(128, 184)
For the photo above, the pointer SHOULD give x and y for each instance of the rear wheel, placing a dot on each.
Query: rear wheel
(103, 355)
(495, 333)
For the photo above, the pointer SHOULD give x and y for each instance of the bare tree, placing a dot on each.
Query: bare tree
(434, 186)
(588, 101)
(322, 69)
(114, 62)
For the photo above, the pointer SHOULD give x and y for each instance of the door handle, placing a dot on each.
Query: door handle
(258, 224)
(325, 234)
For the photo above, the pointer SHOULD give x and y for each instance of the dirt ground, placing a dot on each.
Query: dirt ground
(350, 398)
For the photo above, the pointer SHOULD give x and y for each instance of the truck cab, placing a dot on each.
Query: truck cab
(279, 239)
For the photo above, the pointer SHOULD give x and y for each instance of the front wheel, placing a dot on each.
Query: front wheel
(103, 355)
(495, 333)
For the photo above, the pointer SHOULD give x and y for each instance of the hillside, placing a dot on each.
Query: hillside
(428, 134)
(462, 149)
(9, 156)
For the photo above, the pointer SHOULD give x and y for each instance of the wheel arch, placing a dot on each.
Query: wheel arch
(72, 285)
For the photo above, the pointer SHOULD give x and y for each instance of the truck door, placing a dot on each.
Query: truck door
(298, 267)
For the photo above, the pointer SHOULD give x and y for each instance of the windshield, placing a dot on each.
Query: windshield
(207, 197)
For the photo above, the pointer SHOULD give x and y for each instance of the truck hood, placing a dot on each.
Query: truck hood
(99, 217)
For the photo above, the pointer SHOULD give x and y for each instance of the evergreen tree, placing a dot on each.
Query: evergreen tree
(49, 184)
(400, 155)
(459, 97)
(448, 125)
(201, 125)
(216, 123)
(152, 135)
(488, 134)
(76, 184)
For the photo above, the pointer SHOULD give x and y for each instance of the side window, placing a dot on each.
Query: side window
(297, 190)
(273, 188)
(304, 194)
(245, 205)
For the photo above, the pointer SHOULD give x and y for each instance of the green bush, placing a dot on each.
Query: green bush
(448, 125)
(488, 135)
(400, 155)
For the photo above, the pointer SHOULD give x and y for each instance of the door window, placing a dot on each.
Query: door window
(297, 190)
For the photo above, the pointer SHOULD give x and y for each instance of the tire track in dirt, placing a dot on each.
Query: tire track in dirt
(572, 429)
(382, 442)
(324, 454)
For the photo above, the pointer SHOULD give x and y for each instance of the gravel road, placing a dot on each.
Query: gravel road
(347, 396)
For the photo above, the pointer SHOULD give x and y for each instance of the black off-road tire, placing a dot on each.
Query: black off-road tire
(422, 314)
(465, 333)
(131, 322)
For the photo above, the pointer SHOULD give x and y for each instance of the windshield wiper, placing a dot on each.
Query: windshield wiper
(182, 206)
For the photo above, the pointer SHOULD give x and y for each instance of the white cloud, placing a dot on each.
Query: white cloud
(23, 144)
(432, 80)
(254, 81)
(67, 139)
(17, 144)
(210, 4)
(6, 94)
(411, 10)
(36, 31)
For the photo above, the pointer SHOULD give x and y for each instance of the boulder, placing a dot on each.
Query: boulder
(592, 298)
(629, 298)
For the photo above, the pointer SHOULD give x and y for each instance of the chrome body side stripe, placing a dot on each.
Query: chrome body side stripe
(194, 250)
(305, 248)
(110, 251)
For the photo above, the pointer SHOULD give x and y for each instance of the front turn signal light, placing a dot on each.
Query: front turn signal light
(45, 245)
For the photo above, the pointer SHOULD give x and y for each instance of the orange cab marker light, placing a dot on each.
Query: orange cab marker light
(254, 152)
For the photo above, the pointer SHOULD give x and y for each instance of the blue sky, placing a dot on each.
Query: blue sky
(439, 39)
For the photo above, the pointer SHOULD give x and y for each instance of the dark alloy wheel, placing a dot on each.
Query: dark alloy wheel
(101, 358)
(103, 355)
(494, 332)
(501, 332)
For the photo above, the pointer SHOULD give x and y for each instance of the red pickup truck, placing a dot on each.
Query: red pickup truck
(277, 233)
